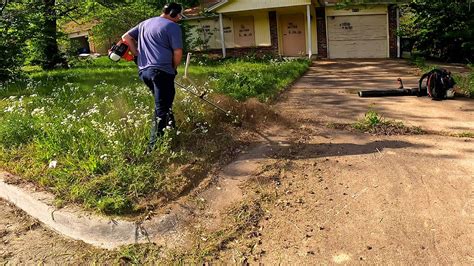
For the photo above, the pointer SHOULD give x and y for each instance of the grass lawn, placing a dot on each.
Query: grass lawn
(81, 133)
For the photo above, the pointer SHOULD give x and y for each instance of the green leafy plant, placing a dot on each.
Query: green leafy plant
(83, 132)
(370, 121)
(374, 123)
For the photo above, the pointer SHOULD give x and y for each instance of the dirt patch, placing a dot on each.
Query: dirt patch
(23, 240)
(324, 195)
(365, 199)
(382, 129)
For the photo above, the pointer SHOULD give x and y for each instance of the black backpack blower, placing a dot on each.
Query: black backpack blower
(437, 84)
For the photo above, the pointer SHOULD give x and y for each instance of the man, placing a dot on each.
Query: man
(158, 45)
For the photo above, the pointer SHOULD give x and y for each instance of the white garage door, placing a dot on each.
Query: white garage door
(361, 36)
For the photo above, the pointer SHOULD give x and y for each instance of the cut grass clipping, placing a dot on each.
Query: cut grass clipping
(374, 123)
(81, 133)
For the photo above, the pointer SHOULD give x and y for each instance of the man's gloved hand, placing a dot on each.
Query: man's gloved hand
(135, 59)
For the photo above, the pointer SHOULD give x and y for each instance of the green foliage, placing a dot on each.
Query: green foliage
(374, 123)
(243, 80)
(28, 29)
(466, 82)
(442, 28)
(17, 130)
(82, 132)
(115, 22)
(370, 121)
(117, 19)
(14, 31)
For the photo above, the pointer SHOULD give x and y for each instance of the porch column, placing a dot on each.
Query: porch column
(398, 30)
(310, 43)
(221, 26)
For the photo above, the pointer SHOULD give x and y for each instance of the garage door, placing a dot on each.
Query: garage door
(361, 36)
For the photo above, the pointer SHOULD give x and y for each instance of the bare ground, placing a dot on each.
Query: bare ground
(313, 194)
(24, 241)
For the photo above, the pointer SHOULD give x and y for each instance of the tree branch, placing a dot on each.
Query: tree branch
(67, 11)
(4, 4)
(77, 22)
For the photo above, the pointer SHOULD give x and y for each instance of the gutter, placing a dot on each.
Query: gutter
(221, 3)
(201, 17)
(325, 3)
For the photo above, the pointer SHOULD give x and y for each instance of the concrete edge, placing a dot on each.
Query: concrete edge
(89, 228)
(108, 233)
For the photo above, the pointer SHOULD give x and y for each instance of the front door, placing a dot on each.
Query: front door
(293, 33)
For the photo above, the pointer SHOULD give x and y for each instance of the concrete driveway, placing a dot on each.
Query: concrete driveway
(332, 87)
(372, 199)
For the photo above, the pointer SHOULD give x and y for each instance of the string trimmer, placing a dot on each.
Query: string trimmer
(122, 50)
(193, 89)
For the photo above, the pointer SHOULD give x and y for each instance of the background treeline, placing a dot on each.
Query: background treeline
(29, 29)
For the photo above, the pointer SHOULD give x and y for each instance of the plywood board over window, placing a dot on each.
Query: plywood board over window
(208, 34)
(244, 32)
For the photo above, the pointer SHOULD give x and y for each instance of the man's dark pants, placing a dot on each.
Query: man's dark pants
(161, 85)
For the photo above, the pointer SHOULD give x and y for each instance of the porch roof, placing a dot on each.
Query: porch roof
(227, 6)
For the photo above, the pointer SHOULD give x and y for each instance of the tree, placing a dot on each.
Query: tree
(441, 28)
(35, 22)
(47, 39)
(14, 31)
(116, 19)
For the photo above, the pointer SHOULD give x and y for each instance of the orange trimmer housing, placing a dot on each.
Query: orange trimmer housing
(121, 50)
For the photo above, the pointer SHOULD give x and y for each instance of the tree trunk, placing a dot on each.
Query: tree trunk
(52, 57)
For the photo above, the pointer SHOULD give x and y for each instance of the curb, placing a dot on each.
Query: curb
(109, 233)
(89, 228)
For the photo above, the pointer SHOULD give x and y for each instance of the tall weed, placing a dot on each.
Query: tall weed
(81, 133)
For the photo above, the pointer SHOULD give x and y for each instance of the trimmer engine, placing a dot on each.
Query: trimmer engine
(120, 50)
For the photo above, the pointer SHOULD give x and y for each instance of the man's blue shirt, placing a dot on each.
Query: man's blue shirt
(157, 38)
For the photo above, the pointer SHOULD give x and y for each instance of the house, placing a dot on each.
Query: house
(296, 28)
(80, 33)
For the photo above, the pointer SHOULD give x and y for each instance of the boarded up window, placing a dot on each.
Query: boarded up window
(206, 35)
(244, 32)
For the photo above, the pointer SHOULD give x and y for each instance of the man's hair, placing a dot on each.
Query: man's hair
(172, 9)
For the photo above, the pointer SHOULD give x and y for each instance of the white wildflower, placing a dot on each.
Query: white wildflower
(38, 112)
(52, 164)
(9, 109)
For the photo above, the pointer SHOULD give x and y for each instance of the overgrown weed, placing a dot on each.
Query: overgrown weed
(374, 123)
(81, 133)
